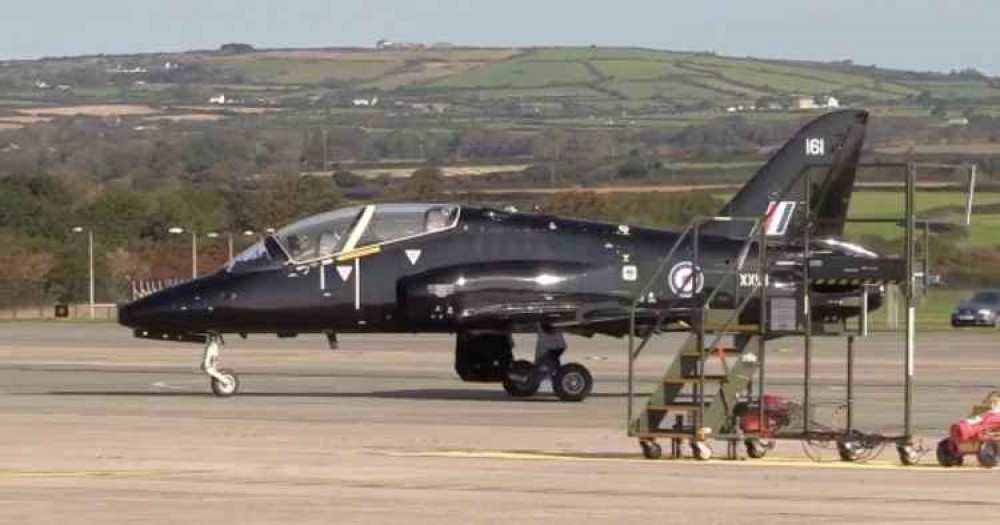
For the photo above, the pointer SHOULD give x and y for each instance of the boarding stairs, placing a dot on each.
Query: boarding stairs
(715, 366)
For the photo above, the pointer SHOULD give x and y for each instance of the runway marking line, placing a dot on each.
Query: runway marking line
(543, 455)
(103, 474)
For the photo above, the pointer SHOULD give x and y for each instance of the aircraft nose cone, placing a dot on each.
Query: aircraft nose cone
(142, 313)
(186, 307)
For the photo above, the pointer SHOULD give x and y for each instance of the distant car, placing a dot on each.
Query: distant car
(983, 309)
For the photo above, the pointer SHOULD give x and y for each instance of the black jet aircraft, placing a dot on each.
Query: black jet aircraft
(484, 274)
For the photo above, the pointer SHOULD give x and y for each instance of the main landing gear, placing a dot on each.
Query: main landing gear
(225, 383)
(571, 382)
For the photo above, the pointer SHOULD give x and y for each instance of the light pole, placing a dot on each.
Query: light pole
(194, 248)
(90, 257)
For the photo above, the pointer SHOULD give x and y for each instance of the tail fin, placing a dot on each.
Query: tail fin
(833, 140)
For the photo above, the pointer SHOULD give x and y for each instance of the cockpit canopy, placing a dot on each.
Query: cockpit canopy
(328, 234)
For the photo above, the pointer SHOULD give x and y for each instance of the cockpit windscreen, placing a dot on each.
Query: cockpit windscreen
(318, 236)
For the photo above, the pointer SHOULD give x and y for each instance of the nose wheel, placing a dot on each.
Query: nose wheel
(225, 382)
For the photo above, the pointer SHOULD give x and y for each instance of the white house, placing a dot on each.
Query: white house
(364, 102)
(803, 102)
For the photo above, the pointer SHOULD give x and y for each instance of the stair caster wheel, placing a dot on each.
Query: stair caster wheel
(757, 448)
(573, 382)
(987, 455)
(848, 451)
(701, 450)
(908, 455)
(227, 385)
(947, 456)
(651, 449)
(521, 380)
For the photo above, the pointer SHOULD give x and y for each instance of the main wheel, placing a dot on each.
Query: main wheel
(756, 448)
(573, 382)
(988, 454)
(701, 450)
(229, 385)
(651, 449)
(947, 456)
(522, 380)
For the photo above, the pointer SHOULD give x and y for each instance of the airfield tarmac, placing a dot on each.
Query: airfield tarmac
(98, 427)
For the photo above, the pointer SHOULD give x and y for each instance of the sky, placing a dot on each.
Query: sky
(938, 35)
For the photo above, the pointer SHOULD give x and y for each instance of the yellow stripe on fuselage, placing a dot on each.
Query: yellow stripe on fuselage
(359, 253)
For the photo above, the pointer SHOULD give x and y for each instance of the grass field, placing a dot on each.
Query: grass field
(946, 206)
(299, 71)
(961, 89)
(638, 69)
(521, 74)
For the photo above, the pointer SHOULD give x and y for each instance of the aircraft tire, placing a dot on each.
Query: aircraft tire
(226, 389)
(947, 456)
(522, 380)
(988, 453)
(572, 382)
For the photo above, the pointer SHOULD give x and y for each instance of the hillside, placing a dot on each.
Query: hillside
(588, 80)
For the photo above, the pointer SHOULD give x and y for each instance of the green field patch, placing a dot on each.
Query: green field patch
(520, 74)
(895, 88)
(866, 93)
(286, 70)
(948, 205)
(604, 53)
(814, 72)
(778, 82)
(727, 88)
(638, 69)
(958, 88)
(676, 91)
(557, 92)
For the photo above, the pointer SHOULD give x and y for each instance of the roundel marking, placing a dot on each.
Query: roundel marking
(685, 279)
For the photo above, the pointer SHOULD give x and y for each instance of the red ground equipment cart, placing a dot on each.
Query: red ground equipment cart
(978, 435)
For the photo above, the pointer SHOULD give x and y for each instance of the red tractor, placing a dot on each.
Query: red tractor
(979, 435)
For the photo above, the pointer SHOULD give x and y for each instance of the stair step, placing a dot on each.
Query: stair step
(690, 380)
(733, 328)
(675, 407)
(708, 353)
(686, 433)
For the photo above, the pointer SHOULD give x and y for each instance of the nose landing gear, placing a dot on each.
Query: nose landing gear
(225, 382)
